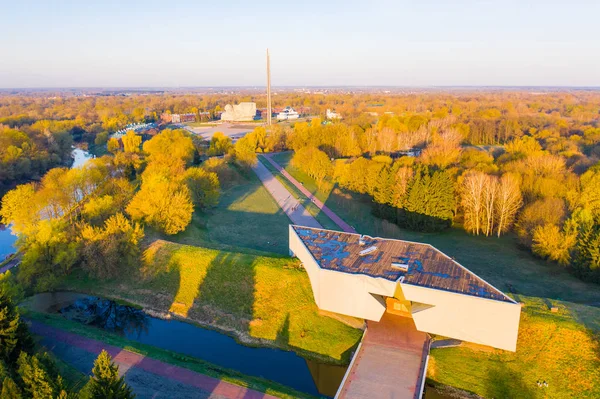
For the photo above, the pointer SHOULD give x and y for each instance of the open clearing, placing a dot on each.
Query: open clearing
(247, 217)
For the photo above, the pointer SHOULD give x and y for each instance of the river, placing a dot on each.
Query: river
(7, 238)
(284, 367)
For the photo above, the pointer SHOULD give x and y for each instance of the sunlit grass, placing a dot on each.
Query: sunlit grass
(557, 348)
(264, 299)
(247, 217)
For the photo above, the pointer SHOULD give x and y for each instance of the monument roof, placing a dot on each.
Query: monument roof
(395, 260)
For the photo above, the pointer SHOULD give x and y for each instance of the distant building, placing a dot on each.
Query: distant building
(331, 114)
(178, 118)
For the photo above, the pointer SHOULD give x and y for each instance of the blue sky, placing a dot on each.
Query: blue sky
(222, 43)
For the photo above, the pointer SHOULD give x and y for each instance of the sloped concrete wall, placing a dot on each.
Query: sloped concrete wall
(349, 294)
(465, 317)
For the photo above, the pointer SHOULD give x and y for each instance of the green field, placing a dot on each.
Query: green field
(247, 217)
(261, 300)
(498, 260)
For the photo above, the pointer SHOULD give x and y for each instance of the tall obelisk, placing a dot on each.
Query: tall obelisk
(269, 111)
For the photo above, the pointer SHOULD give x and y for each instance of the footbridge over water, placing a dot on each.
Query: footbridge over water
(391, 361)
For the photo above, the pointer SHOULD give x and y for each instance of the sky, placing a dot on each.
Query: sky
(130, 43)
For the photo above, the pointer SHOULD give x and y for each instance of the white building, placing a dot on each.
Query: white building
(332, 115)
(364, 277)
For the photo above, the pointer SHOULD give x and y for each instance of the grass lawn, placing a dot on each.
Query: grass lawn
(260, 300)
(247, 217)
(303, 199)
(498, 260)
(74, 379)
(559, 348)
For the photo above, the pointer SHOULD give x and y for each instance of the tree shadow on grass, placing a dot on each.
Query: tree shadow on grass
(505, 383)
(225, 295)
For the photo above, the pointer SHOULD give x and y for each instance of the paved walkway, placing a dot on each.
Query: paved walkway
(127, 360)
(336, 219)
(290, 205)
(390, 362)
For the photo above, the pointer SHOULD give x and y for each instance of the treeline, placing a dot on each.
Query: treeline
(93, 216)
(28, 372)
(527, 186)
(28, 152)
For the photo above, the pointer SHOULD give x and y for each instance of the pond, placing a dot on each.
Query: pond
(277, 365)
(7, 238)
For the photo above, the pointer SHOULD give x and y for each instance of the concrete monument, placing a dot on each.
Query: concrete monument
(242, 112)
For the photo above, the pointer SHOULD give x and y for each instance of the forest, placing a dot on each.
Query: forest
(490, 162)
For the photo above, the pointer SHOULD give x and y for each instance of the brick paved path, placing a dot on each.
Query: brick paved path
(336, 219)
(286, 201)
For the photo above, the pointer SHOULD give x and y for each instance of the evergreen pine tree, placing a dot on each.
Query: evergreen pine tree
(586, 260)
(10, 390)
(105, 382)
(430, 201)
(37, 383)
(14, 336)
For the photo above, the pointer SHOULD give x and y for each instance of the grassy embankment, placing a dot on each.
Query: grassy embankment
(561, 348)
(261, 300)
(247, 219)
(76, 380)
(303, 199)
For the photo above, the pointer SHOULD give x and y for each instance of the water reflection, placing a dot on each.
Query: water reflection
(7, 242)
(108, 315)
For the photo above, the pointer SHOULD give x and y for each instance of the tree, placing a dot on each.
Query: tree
(549, 242)
(508, 202)
(430, 201)
(162, 203)
(51, 252)
(170, 146)
(313, 162)
(113, 145)
(131, 142)
(20, 208)
(10, 390)
(539, 213)
(204, 187)
(444, 149)
(113, 249)
(472, 200)
(105, 382)
(245, 152)
(219, 144)
(39, 376)
(14, 336)
(586, 259)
